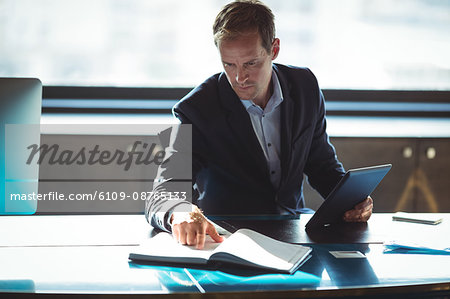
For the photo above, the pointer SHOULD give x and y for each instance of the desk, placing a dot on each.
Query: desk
(88, 255)
(378, 229)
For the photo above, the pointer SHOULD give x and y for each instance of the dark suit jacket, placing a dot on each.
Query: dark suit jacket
(229, 167)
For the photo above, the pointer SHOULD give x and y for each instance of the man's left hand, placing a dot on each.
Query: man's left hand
(361, 212)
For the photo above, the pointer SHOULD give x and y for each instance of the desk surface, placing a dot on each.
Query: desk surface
(89, 254)
(379, 229)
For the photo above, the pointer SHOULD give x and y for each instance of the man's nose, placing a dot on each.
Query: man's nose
(241, 75)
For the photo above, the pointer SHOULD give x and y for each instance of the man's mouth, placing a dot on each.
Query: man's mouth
(243, 87)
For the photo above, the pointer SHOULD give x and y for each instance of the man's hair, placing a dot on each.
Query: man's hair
(243, 16)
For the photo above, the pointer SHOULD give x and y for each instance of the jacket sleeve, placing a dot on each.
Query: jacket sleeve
(322, 166)
(172, 188)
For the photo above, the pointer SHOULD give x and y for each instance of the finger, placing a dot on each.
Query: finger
(201, 237)
(369, 202)
(369, 208)
(367, 212)
(366, 215)
(346, 216)
(358, 215)
(350, 216)
(211, 230)
(176, 233)
(362, 210)
(191, 238)
(366, 202)
(182, 237)
(353, 215)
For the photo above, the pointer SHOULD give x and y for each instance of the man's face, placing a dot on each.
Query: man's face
(248, 66)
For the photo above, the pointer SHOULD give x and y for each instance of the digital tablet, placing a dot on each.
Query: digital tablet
(353, 188)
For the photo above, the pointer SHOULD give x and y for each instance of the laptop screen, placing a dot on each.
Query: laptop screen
(20, 109)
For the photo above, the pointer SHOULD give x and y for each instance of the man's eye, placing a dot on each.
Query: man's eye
(251, 63)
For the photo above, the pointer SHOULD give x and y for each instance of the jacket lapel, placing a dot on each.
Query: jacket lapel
(240, 123)
(287, 118)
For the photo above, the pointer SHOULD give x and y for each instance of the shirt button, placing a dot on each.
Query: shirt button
(269, 144)
(272, 172)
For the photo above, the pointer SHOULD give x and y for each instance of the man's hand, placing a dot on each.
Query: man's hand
(361, 212)
(190, 228)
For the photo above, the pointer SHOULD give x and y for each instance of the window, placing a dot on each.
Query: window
(348, 44)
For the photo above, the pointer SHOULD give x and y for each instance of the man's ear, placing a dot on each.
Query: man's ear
(275, 48)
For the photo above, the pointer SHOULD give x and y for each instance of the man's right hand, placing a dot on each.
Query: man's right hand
(190, 228)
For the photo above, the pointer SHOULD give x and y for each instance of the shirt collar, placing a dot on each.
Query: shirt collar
(275, 99)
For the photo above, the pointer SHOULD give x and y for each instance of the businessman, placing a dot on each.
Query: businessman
(257, 128)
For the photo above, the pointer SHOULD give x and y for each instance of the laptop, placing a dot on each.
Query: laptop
(20, 110)
(353, 188)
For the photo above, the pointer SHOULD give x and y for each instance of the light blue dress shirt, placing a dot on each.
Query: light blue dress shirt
(266, 124)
